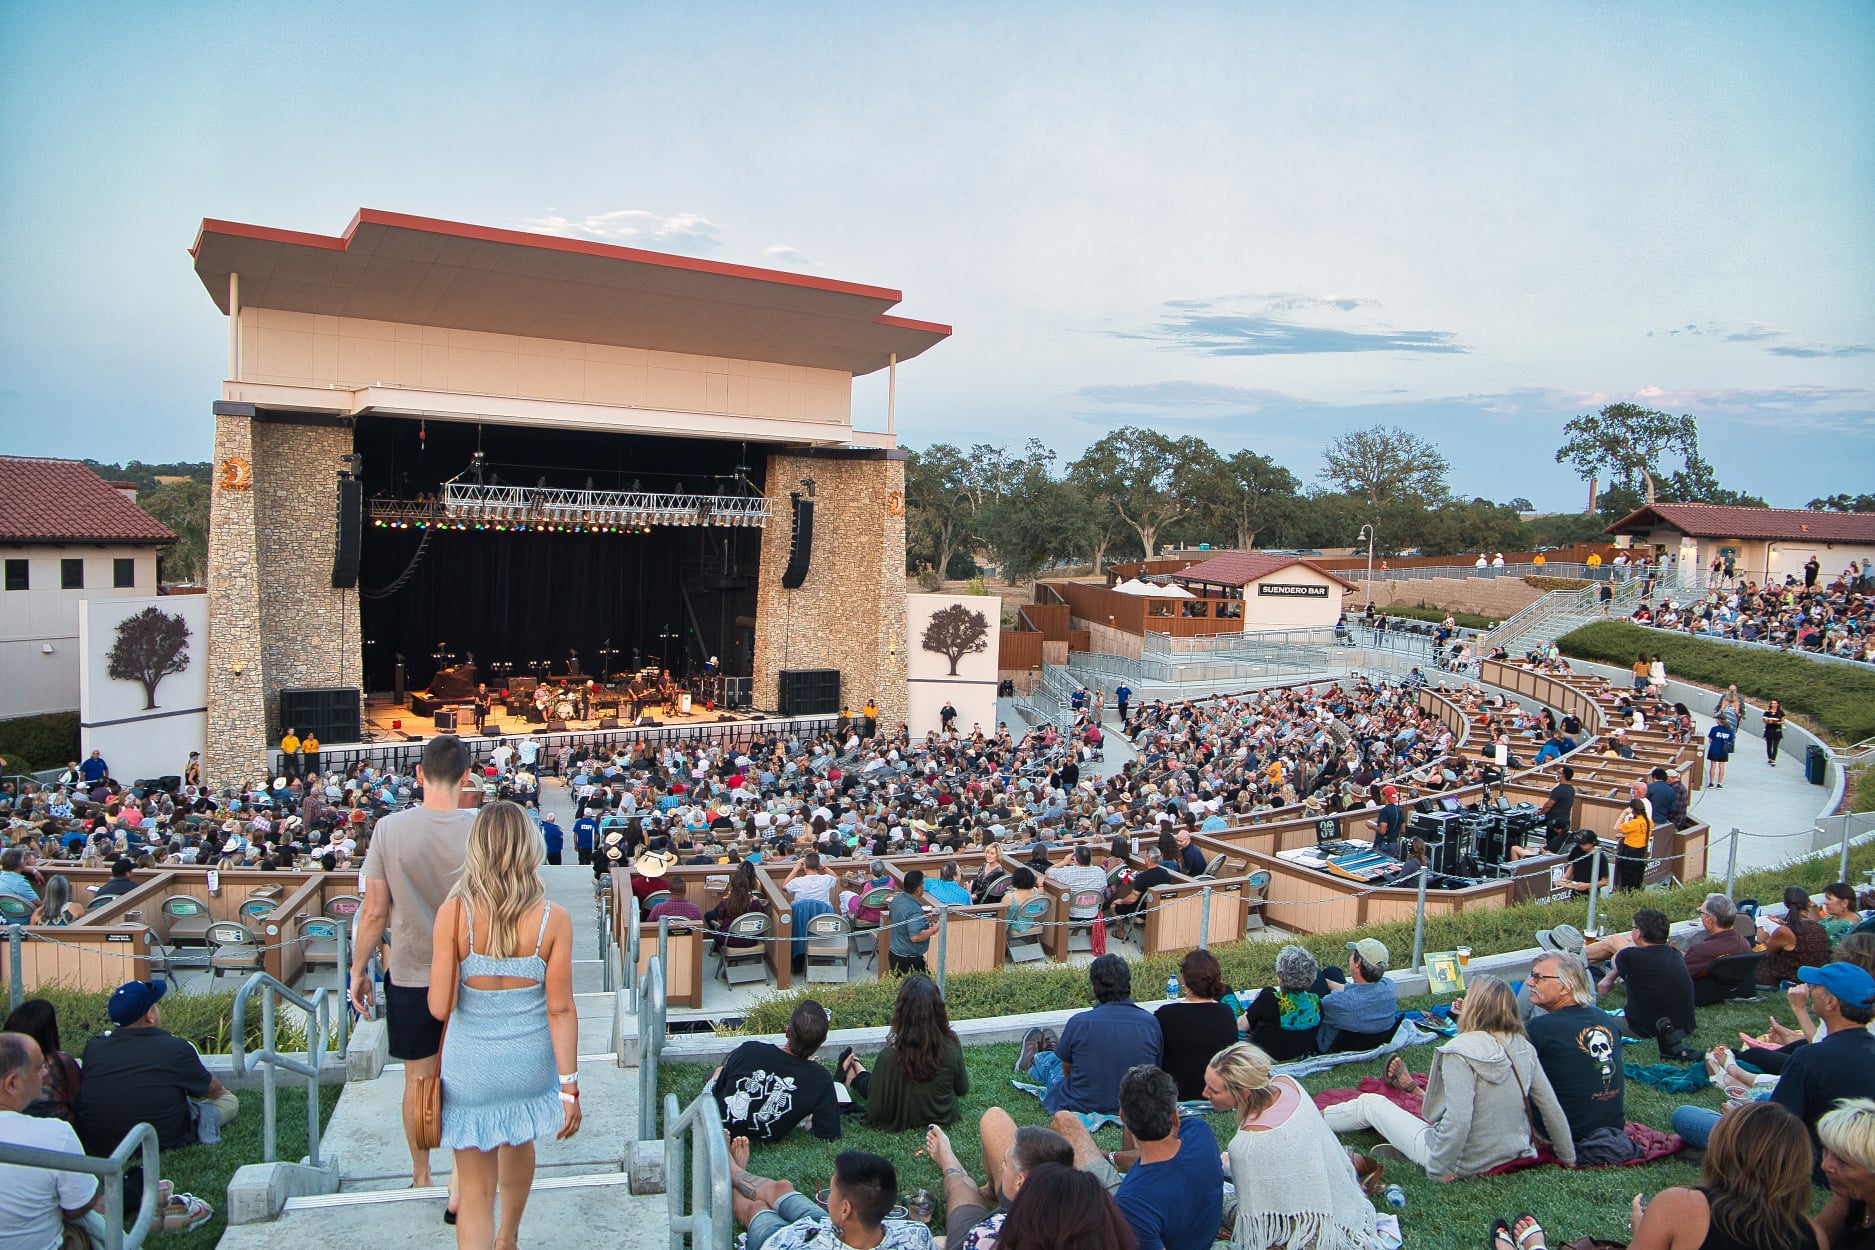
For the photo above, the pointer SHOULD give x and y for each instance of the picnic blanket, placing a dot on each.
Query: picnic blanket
(1408, 1033)
(1094, 1121)
(1649, 1141)
(1670, 1076)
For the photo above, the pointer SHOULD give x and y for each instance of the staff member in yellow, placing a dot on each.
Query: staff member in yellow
(309, 747)
(1636, 832)
(289, 752)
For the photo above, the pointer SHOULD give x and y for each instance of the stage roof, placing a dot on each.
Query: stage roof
(424, 271)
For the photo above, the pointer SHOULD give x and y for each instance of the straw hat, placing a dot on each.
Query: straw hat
(654, 863)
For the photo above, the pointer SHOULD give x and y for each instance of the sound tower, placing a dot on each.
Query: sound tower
(350, 527)
(800, 543)
(330, 713)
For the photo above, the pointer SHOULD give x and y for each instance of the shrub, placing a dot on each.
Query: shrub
(202, 1020)
(1556, 583)
(1839, 699)
(32, 744)
(928, 579)
(1423, 612)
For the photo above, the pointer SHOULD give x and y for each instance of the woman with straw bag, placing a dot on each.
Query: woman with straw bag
(509, 1063)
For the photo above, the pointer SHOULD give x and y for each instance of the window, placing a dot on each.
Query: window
(72, 574)
(123, 573)
(16, 575)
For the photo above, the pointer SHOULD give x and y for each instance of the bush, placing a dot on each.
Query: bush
(1556, 583)
(1252, 965)
(929, 581)
(1862, 793)
(32, 744)
(202, 1020)
(1425, 612)
(1838, 699)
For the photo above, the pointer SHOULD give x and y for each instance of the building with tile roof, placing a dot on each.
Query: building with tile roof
(1764, 544)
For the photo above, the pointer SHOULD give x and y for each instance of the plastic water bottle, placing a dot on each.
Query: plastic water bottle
(1171, 987)
(1396, 1197)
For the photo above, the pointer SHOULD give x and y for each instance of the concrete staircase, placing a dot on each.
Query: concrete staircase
(1559, 612)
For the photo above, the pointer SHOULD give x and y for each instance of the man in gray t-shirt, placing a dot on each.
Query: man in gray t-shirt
(415, 857)
(911, 927)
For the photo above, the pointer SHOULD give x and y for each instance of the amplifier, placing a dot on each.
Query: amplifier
(446, 720)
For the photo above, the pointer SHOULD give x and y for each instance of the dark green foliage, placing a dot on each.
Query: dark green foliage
(32, 744)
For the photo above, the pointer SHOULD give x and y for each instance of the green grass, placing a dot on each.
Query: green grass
(201, 1019)
(1249, 965)
(1862, 794)
(206, 1170)
(1437, 1217)
(1838, 700)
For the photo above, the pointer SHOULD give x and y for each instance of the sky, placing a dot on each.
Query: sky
(1262, 224)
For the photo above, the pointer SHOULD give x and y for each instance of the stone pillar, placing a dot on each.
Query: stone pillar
(850, 613)
(236, 751)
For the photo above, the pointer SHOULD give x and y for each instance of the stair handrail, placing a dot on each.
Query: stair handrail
(708, 1223)
(318, 1010)
(651, 1037)
(141, 1139)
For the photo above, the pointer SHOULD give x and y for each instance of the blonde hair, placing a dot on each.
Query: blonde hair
(1490, 1007)
(1848, 1132)
(1245, 1071)
(500, 878)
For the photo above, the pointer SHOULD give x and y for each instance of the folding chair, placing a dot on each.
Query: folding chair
(741, 964)
(1027, 947)
(1254, 900)
(187, 920)
(233, 948)
(829, 939)
(1081, 928)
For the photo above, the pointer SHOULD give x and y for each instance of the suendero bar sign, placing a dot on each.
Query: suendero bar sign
(1278, 590)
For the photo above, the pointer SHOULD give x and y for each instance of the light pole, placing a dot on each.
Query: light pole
(1367, 532)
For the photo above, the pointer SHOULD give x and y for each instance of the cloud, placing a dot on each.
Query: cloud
(784, 254)
(634, 227)
(1185, 393)
(1283, 324)
(1811, 351)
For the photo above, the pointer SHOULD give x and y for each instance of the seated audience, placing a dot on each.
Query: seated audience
(946, 889)
(1097, 1047)
(1840, 916)
(1798, 941)
(1173, 1195)
(1480, 1095)
(1579, 871)
(1060, 1208)
(1020, 892)
(764, 1090)
(58, 908)
(1010, 1156)
(1753, 1191)
(864, 1188)
(919, 1075)
(1296, 1186)
(1771, 1051)
(1579, 1046)
(1196, 1027)
(1718, 916)
(1284, 1020)
(1848, 1138)
(37, 1203)
(1362, 1012)
(138, 1073)
(120, 882)
(39, 1020)
(1660, 990)
(678, 906)
(1841, 1065)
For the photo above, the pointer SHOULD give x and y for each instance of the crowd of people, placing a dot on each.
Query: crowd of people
(1837, 618)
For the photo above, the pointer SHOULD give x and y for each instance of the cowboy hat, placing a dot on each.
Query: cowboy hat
(654, 863)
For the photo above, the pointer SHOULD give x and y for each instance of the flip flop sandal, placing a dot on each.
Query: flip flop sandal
(185, 1212)
(1535, 1228)
(1396, 1075)
(1500, 1235)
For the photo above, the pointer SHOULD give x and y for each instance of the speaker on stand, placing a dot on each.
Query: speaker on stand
(351, 517)
(800, 542)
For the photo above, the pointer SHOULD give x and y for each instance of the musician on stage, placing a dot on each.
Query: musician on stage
(584, 694)
(481, 706)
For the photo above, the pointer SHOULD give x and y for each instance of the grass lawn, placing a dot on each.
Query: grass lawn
(206, 1170)
(1437, 1217)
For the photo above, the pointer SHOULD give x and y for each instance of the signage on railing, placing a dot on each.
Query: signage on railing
(1290, 590)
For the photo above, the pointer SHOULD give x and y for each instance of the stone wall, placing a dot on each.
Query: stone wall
(272, 610)
(1496, 597)
(850, 613)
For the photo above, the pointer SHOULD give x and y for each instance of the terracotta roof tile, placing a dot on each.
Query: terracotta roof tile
(1711, 520)
(1240, 568)
(62, 500)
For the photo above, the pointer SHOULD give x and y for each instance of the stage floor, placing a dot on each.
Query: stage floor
(385, 718)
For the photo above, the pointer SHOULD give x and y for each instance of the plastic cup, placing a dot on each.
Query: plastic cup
(1464, 956)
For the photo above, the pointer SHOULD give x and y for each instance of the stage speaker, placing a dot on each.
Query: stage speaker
(490, 729)
(800, 544)
(446, 720)
(723, 718)
(556, 727)
(809, 691)
(649, 720)
(332, 713)
(609, 722)
(351, 526)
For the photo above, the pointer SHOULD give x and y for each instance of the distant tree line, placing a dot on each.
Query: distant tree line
(181, 503)
(1138, 490)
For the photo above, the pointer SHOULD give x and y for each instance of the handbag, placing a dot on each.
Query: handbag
(429, 1125)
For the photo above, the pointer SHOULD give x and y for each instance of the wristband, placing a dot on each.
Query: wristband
(572, 1098)
(569, 1078)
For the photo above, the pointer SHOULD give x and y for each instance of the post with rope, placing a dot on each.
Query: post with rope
(16, 968)
(943, 944)
(1204, 917)
(1731, 863)
(1419, 920)
(1842, 867)
(1595, 884)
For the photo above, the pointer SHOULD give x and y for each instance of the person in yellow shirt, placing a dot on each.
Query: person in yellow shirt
(871, 713)
(289, 751)
(309, 747)
(1636, 831)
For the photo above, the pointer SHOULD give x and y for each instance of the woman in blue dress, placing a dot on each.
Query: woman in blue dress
(502, 977)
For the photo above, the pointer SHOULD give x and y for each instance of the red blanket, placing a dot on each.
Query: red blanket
(1651, 1142)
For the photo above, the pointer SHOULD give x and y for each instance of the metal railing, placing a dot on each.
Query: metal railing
(140, 1140)
(632, 920)
(651, 1026)
(696, 1150)
(318, 1027)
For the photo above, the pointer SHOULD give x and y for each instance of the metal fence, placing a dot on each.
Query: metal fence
(318, 1030)
(141, 1141)
(695, 1151)
(651, 1037)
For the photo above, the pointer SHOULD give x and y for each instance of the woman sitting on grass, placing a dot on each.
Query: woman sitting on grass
(1061, 1208)
(1283, 1020)
(919, 1077)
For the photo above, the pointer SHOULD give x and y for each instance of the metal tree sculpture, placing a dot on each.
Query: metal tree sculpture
(955, 632)
(150, 646)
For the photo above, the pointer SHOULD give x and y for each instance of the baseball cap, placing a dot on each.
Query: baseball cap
(1564, 939)
(1372, 950)
(132, 1000)
(1390, 792)
(1848, 982)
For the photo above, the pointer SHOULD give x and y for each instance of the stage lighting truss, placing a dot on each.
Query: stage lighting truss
(466, 504)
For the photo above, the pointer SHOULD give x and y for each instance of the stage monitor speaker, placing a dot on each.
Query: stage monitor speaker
(556, 727)
(649, 720)
(809, 691)
(446, 720)
(350, 530)
(610, 722)
(491, 730)
(723, 718)
(330, 713)
(800, 544)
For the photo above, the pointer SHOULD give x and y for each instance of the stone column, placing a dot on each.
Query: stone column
(236, 751)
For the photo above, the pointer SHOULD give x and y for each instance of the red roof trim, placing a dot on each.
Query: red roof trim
(906, 323)
(546, 242)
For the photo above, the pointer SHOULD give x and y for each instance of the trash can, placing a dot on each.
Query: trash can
(1815, 765)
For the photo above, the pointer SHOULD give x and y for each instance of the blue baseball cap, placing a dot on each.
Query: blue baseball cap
(131, 1001)
(1852, 984)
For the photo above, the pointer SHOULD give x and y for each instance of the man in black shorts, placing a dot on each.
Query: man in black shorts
(415, 857)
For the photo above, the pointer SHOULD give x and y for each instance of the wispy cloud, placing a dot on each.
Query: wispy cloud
(634, 227)
(1177, 401)
(1283, 324)
(1812, 351)
(785, 254)
(1771, 336)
